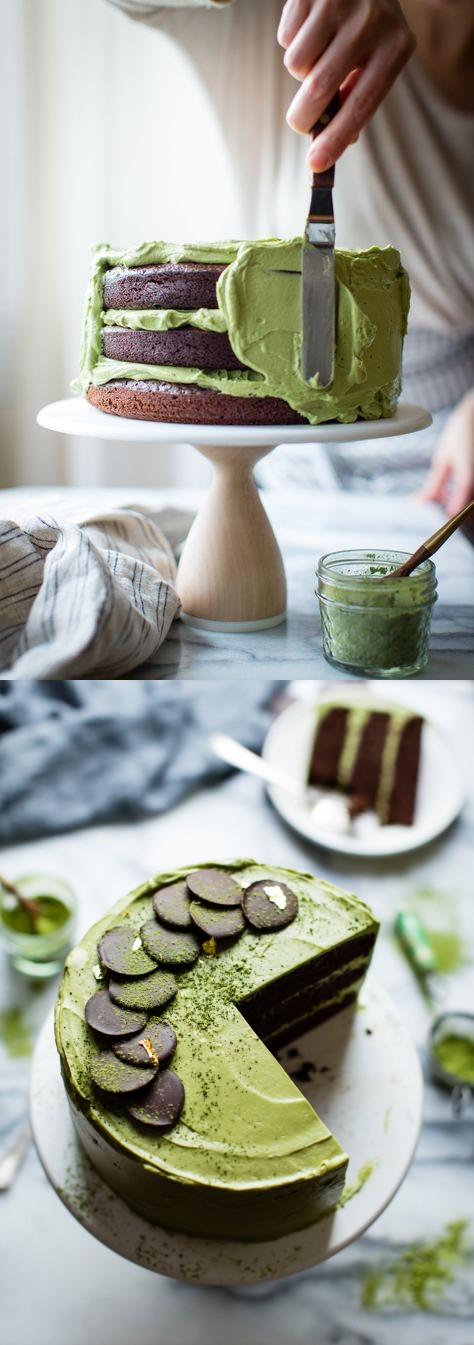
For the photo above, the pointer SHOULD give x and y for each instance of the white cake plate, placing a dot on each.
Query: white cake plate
(231, 576)
(369, 1094)
(440, 795)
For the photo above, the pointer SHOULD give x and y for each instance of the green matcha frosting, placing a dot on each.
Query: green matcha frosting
(165, 319)
(259, 305)
(245, 1127)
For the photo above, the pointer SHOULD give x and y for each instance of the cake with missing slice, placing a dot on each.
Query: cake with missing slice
(168, 1016)
(211, 334)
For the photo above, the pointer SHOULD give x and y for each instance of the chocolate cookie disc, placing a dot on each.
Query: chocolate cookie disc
(116, 951)
(111, 1020)
(269, 904)
(145, 992)
(113, 1076)
(162, 1103)
(216, 922)
(168, 945)
(215, 886)
(158, 1040)
(171, 904)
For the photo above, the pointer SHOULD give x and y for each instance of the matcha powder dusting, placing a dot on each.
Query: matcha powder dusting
(418, 1277)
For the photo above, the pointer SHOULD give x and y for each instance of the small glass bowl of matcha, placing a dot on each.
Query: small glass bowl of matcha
(37, 945)
(369, 624)
(451, 1055)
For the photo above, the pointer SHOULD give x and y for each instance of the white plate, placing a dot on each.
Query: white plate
(440, 792)
(75, 415)
(370, 1096)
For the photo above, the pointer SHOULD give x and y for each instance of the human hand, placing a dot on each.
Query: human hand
(451, 479)
(356, 47)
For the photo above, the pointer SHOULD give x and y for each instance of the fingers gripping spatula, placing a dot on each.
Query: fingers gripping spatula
(318, 298)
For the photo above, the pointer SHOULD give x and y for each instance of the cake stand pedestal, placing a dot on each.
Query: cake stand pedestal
(231, 576)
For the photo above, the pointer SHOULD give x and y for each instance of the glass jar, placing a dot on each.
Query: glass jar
(37, 947)
(451, 1049)
(370, 625)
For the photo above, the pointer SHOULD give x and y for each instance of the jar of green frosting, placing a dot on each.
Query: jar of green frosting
(369, 624)
(38, 944)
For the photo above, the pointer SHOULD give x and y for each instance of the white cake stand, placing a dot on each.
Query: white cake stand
(231, 575)
(369, 1094)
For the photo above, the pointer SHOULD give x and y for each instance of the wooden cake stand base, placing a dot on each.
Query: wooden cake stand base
(231, 576)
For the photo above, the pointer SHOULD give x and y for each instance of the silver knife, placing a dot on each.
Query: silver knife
(318, 297)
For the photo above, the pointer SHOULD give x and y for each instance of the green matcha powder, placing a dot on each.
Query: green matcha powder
(418, 1277)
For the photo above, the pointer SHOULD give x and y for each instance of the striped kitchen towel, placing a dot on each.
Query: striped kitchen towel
(82, 597)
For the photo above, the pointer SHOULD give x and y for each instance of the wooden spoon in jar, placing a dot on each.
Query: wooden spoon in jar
(32, 908)
(431, 545)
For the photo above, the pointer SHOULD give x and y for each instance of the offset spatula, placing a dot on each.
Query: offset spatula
(318, 305)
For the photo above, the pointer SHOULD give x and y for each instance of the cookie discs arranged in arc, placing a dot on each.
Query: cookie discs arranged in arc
(162, 1103)
(209, 903)
(269, 905)
(102, 1015)
(215, 887)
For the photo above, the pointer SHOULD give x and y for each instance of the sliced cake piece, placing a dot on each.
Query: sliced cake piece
(371, 754)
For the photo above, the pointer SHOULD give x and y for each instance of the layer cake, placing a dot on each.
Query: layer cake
(212, 970)
(211, 333)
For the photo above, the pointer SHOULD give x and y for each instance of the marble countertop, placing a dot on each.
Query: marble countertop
(307, 526)
(60, 1285)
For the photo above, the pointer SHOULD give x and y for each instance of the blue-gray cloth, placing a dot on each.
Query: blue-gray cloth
(76, 753)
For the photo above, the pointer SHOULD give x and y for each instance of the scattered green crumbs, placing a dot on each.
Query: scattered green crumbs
(448, 948)
(418, 1277)
(14, 1033)
(456, 1054)
(439, 922)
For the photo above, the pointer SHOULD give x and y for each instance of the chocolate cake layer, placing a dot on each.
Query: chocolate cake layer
(295, 1009)
(331, 963)
(173, 285)
(329, 742)
(284, 1035)
(185, 346)
(403, 796)
(186, 404)
(365, 776)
